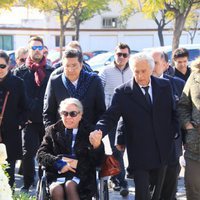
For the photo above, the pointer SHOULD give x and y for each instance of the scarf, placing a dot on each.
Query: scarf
(38, 68)
(84, 82)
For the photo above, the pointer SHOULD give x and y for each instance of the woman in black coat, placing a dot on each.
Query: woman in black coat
(14, 115)
(69, 152)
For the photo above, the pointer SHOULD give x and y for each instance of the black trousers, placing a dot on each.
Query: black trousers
(143, 178)
(32, 136)
(170, 182)
(11, 171)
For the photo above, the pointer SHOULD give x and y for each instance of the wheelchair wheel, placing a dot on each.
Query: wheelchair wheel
(105, 190)
(42, 193)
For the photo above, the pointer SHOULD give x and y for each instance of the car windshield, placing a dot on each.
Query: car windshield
(101, 58)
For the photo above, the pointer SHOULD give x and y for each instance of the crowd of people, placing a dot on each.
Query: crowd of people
(59, 115)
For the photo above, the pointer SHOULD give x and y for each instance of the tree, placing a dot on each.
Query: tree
(64, 9)
(6, 4)
(86, 12)
(170, 9)
(180, 10)
(192, 24)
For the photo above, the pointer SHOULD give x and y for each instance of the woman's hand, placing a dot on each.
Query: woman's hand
(95, 138)
(67, 168)
(71, 162)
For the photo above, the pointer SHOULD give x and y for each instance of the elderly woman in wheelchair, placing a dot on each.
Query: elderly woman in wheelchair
(70, 154)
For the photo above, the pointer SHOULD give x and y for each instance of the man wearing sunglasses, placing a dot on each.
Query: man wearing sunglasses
(112, 76)
(35, 73)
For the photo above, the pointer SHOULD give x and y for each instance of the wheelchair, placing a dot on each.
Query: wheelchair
(43, 192)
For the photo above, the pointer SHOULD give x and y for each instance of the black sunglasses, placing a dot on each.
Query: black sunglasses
(22, 59)
(3, 66)
(125, 55)
(71, 113)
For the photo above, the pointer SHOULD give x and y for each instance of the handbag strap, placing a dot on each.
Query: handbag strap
(4, 106)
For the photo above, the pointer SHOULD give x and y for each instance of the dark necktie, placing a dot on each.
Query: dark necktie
(147, 95)
(70, 136)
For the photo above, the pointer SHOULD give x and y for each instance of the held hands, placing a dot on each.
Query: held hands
(95, 138)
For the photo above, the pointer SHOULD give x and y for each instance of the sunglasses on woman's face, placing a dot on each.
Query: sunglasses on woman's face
(71, 113)
(3, 66)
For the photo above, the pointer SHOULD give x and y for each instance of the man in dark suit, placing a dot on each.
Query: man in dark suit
(147, 107)
(171, 177)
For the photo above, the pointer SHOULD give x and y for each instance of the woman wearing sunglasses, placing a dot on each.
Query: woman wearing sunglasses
(70, 155)
(12, 113)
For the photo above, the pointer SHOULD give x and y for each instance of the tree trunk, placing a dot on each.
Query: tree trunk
(62, 31)
(160, 35)
(77, 27)
(179, 23)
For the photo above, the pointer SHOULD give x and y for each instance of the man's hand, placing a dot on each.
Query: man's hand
(95, 138)
(189, 125)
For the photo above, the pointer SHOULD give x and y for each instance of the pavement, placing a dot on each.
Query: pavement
(112, 194)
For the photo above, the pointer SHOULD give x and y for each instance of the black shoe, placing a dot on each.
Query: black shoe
(116, 186)
(24, 189)
(130, 176)
(124, 191)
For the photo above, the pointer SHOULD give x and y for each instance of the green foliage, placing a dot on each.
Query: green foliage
(6, 4)
(23, 196)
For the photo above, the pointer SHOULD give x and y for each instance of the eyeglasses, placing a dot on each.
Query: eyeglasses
(125, 55)
(71, 113)
(22, 59)
(37, 47)
(3, 66)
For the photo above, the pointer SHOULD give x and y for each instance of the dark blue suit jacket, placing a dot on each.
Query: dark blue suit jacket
(149, 130)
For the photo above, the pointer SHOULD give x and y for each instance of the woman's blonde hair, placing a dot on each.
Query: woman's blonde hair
(195, 65)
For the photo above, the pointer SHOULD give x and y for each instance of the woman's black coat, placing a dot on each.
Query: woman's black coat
(55, 144)
(14, 115)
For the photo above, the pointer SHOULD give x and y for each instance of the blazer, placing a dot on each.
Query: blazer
(93, 101)
(150, 130)
(55, 144)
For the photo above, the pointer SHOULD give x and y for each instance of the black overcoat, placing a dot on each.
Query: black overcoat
(150, 130)
(14, 115)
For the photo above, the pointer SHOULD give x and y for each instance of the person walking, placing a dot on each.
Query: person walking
(189, 112)
(147, 108)
(74, 82)
(35, 73)
(13, 114)
(112, 76)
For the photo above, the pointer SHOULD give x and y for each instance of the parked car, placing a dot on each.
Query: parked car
(193, 49)
(100, 61)
(12, 61)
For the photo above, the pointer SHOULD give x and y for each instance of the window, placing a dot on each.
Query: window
(58, 41)
(109, 22)
(6, 42)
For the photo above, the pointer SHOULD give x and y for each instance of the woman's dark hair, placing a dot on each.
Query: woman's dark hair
(5, 56)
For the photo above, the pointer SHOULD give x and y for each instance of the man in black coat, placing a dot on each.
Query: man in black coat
(74, 82)
(147, 108)
(35, 73)
(173, 169)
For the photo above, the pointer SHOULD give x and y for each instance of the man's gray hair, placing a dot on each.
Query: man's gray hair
(20, 51)
(139, 57)
(71, 101)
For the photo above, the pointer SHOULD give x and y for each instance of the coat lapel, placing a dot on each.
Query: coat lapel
(134, 91)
